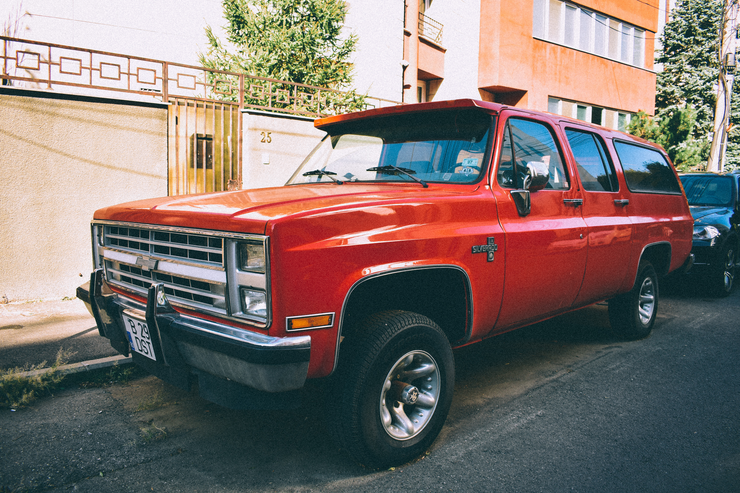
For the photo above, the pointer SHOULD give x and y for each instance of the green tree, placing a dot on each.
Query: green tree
(672, 130)
(686, 87)
(290, 40)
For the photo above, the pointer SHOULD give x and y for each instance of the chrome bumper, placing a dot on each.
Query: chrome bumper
(187, 346)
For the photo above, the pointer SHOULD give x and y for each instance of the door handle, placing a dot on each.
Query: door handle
(621, 202)
(573, 202)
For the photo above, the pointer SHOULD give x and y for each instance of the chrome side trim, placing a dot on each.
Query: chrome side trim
(471, 304)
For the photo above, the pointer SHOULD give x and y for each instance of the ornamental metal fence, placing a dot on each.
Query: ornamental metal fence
(205, 105)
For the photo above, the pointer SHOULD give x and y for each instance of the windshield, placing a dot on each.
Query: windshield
(444, 146)
(708, 190)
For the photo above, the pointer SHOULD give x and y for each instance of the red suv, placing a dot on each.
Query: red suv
(407, 232)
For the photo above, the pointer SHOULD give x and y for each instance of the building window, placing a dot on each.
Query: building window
(582, 112)
(421, 91)
(569, 24)
(601, 33)
(627, 37)
(638, 48)
(597, 115)
(585, 41)
(618, 120)
(623, 120)
(571, 21)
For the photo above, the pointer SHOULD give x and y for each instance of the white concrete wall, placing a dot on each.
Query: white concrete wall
(62, 159)
(377, 59)
(171, 30)
(273, 146)
(461, 38)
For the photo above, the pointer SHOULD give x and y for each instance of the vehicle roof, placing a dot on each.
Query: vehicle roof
(493, 108)
(408, 108)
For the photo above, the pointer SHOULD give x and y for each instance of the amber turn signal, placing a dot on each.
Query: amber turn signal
(310, 322)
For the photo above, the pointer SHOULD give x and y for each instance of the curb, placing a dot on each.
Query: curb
(83, 366)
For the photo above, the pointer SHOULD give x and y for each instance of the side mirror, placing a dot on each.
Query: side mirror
(538, 175)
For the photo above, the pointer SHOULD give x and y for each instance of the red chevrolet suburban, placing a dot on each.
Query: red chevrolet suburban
(407, 232)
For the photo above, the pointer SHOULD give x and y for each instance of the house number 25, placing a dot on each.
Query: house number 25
(266, 137)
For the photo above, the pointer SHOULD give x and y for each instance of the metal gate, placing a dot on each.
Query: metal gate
(204, 146)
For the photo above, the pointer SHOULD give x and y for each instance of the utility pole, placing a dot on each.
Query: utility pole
(728, 42)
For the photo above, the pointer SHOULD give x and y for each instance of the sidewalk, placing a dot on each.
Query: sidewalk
(32, 333)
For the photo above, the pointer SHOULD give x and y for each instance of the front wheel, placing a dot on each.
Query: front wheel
(394, 389)
(723, 274)
(632, 314)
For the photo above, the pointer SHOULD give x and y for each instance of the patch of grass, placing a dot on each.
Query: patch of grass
(117, 374)
(155, 402)
(19, 390)
(153, 433)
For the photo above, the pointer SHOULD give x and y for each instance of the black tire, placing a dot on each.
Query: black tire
(632, 314)
(722, 276)
(379, 430)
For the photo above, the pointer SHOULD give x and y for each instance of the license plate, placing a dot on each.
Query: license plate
(139, 337)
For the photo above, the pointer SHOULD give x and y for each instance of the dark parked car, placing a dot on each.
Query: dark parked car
(715, 205)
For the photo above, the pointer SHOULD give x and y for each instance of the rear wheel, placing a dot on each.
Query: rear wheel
(632, 314)
(394, 388)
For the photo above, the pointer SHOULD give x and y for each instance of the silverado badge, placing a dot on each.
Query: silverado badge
(490, 248)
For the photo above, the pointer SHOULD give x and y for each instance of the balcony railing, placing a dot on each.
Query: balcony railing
(430, 29)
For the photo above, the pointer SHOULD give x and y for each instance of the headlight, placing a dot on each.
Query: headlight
(254, 302)
(252, 257)
(705, 232)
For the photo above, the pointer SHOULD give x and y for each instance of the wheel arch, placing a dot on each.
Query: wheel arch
(441, 292)
(659, 255)
(732, 239)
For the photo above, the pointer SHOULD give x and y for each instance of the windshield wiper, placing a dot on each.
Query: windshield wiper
(395, 170)
(321, 172)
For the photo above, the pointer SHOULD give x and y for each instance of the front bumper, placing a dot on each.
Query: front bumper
(227, 361)
(706, 253)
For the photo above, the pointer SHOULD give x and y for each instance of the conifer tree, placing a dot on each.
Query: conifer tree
(686, 91)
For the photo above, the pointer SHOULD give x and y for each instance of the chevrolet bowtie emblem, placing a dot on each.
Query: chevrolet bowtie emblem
(146, 263)
(490, 248)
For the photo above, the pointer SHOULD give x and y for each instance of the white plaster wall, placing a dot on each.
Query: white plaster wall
(62, 160)
(171, 30)
(377, 58)
(274, 146)
(461, 38)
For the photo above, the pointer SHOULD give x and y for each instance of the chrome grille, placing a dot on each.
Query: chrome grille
(173, 248)
(166, 244)
(200, 269)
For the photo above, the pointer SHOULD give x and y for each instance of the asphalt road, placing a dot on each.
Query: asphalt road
(560, 406)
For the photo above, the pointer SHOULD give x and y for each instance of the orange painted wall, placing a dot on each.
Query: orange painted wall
(511, 59)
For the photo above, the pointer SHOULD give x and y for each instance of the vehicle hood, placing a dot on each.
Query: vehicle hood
(704, 215)
(250, 211)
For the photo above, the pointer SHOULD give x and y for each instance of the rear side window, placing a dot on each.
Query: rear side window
(646, 170)
(594, 166)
